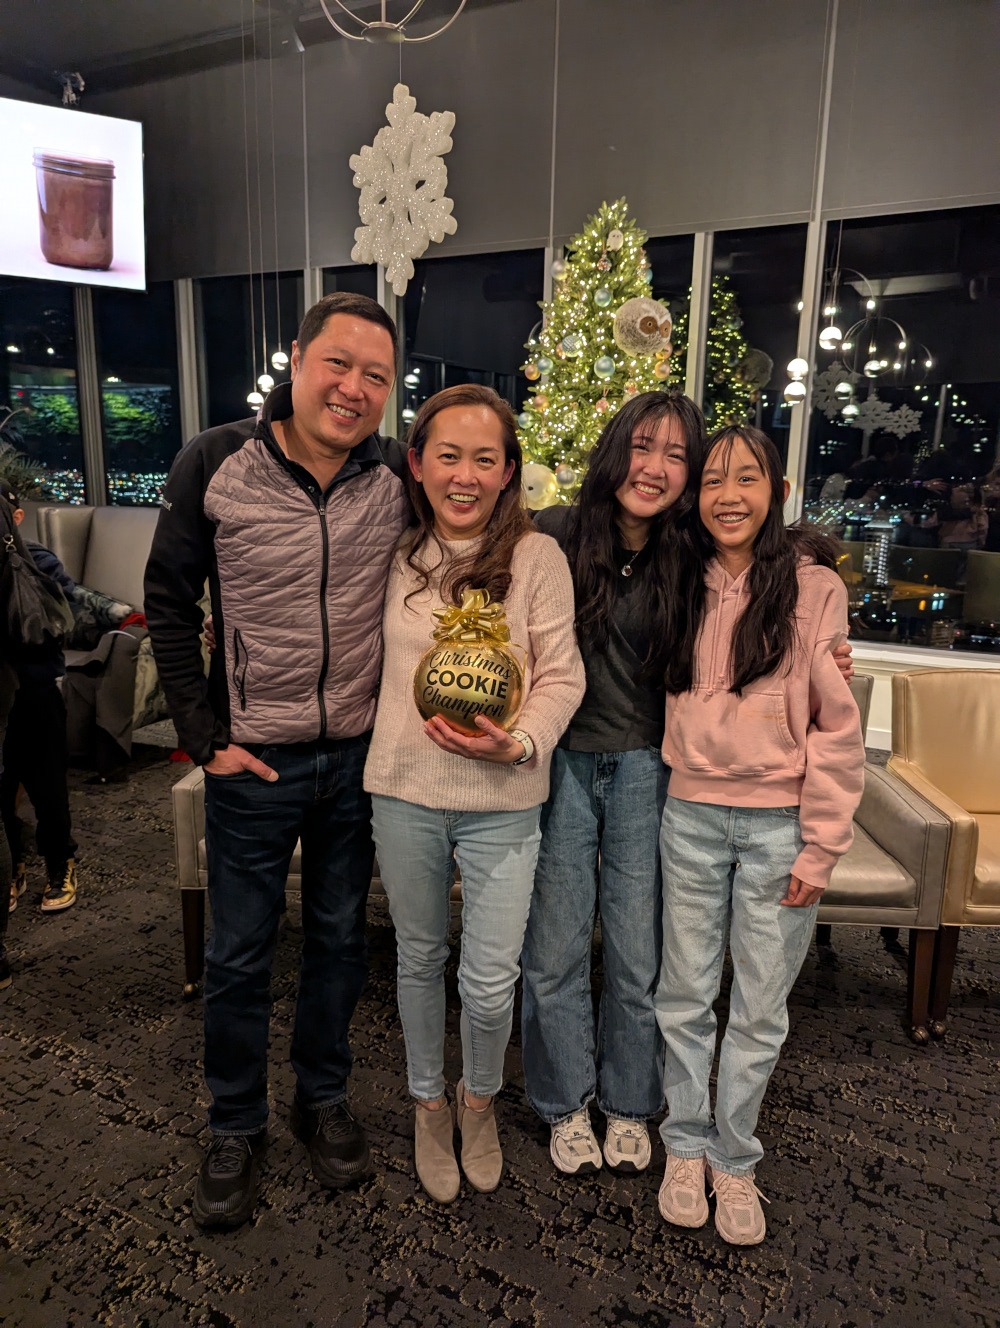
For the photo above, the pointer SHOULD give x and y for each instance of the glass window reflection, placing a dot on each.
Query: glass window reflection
(904, 432)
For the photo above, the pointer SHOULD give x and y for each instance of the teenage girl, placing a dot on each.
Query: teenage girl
(601, 823)
(764, 743)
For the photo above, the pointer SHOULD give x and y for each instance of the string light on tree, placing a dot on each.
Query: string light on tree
(587, 375)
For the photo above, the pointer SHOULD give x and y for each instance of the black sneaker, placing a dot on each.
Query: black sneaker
(227, 1183)
(336, 1143)
(5, 977)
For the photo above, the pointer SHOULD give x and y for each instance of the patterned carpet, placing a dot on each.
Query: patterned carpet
(881, 1170)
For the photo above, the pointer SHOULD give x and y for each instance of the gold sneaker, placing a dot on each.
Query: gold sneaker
(18, 884)
(62, 895)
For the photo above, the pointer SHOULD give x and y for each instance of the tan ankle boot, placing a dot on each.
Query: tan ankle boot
(482, 1160)
(434, 1151)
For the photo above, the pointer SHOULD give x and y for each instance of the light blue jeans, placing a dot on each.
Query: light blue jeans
(725, 870)
(496, 853)
(600, 829)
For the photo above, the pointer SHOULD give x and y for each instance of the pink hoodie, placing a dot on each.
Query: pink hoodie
(791, 738)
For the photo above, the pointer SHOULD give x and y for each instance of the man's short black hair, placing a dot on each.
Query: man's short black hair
(345, 302)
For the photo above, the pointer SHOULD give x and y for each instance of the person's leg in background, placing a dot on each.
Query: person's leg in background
(338, 854)
(36, 742)
(8, 685)
(13, 826)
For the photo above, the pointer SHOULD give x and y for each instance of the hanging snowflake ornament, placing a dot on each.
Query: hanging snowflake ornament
(825, 384)
(873, 414)
(905, 420)
(403, 179)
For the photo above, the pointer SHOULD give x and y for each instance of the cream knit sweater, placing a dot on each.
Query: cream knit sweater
(403, 761)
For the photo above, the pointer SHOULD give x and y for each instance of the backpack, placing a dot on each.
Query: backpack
(33, 608)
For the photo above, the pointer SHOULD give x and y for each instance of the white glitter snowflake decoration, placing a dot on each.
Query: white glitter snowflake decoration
(825, 388)
(905, 420)
(873, 414)
(403, 179)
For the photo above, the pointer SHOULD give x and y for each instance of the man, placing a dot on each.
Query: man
(293, 518)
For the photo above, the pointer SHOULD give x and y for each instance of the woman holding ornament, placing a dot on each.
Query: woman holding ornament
(441, 795)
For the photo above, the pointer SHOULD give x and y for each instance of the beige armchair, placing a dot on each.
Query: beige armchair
(946, 748)
(893, 874)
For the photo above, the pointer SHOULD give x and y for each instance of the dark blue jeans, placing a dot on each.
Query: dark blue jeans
(251, 828)
(600, 835)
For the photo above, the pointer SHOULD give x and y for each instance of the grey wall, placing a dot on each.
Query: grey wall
(916, 107)
(703, 112)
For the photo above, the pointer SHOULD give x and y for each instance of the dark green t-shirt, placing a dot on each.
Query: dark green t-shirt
(618, 713)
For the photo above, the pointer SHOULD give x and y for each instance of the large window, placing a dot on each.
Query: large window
(357, 280)
(670, 258)
(137, 366)
(753, 326)
(38, 382)
(905, 425)
(466, 320)
(236, 313)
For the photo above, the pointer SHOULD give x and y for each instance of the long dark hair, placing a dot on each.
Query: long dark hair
(488, 566)
(765, 633)
(592, 533)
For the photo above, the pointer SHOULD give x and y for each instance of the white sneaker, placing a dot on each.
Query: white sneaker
(682, 1195)
(739, 1218)
(626, 1144)
(573, 1147)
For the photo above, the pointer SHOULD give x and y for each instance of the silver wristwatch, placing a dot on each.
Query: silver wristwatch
(529, 746)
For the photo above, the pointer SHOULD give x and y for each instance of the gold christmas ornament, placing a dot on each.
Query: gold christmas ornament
(540, 401)
(662, 369)
(471, 669)
(532, 372)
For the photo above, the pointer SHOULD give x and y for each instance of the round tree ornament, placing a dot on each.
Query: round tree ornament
(471, 668)
(604, 366)
(602, 297)
(616, 239)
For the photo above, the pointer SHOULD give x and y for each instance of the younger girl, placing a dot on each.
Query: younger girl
(764, 742)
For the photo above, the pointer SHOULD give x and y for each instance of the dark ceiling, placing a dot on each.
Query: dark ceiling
(121, 43)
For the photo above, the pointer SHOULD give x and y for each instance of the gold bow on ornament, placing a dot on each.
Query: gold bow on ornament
(476, 620)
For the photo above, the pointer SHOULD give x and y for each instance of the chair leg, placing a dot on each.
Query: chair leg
(193, 914)
(918, 984)
(945, 949)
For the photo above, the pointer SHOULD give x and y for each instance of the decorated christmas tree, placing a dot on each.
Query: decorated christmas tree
(728, 394)
(602, 340)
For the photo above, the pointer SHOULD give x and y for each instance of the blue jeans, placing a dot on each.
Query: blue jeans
(496, 853)
(600, 831)
(726, 869)
(251, 828)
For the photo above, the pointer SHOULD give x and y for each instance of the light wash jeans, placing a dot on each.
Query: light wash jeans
(600, 829)
(725, 869)
(496, 853)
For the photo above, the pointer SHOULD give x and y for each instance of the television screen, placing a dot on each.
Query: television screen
(71, 196)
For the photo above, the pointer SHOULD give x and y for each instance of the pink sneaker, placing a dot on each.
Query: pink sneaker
(739, 1218)
(682, 1194)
